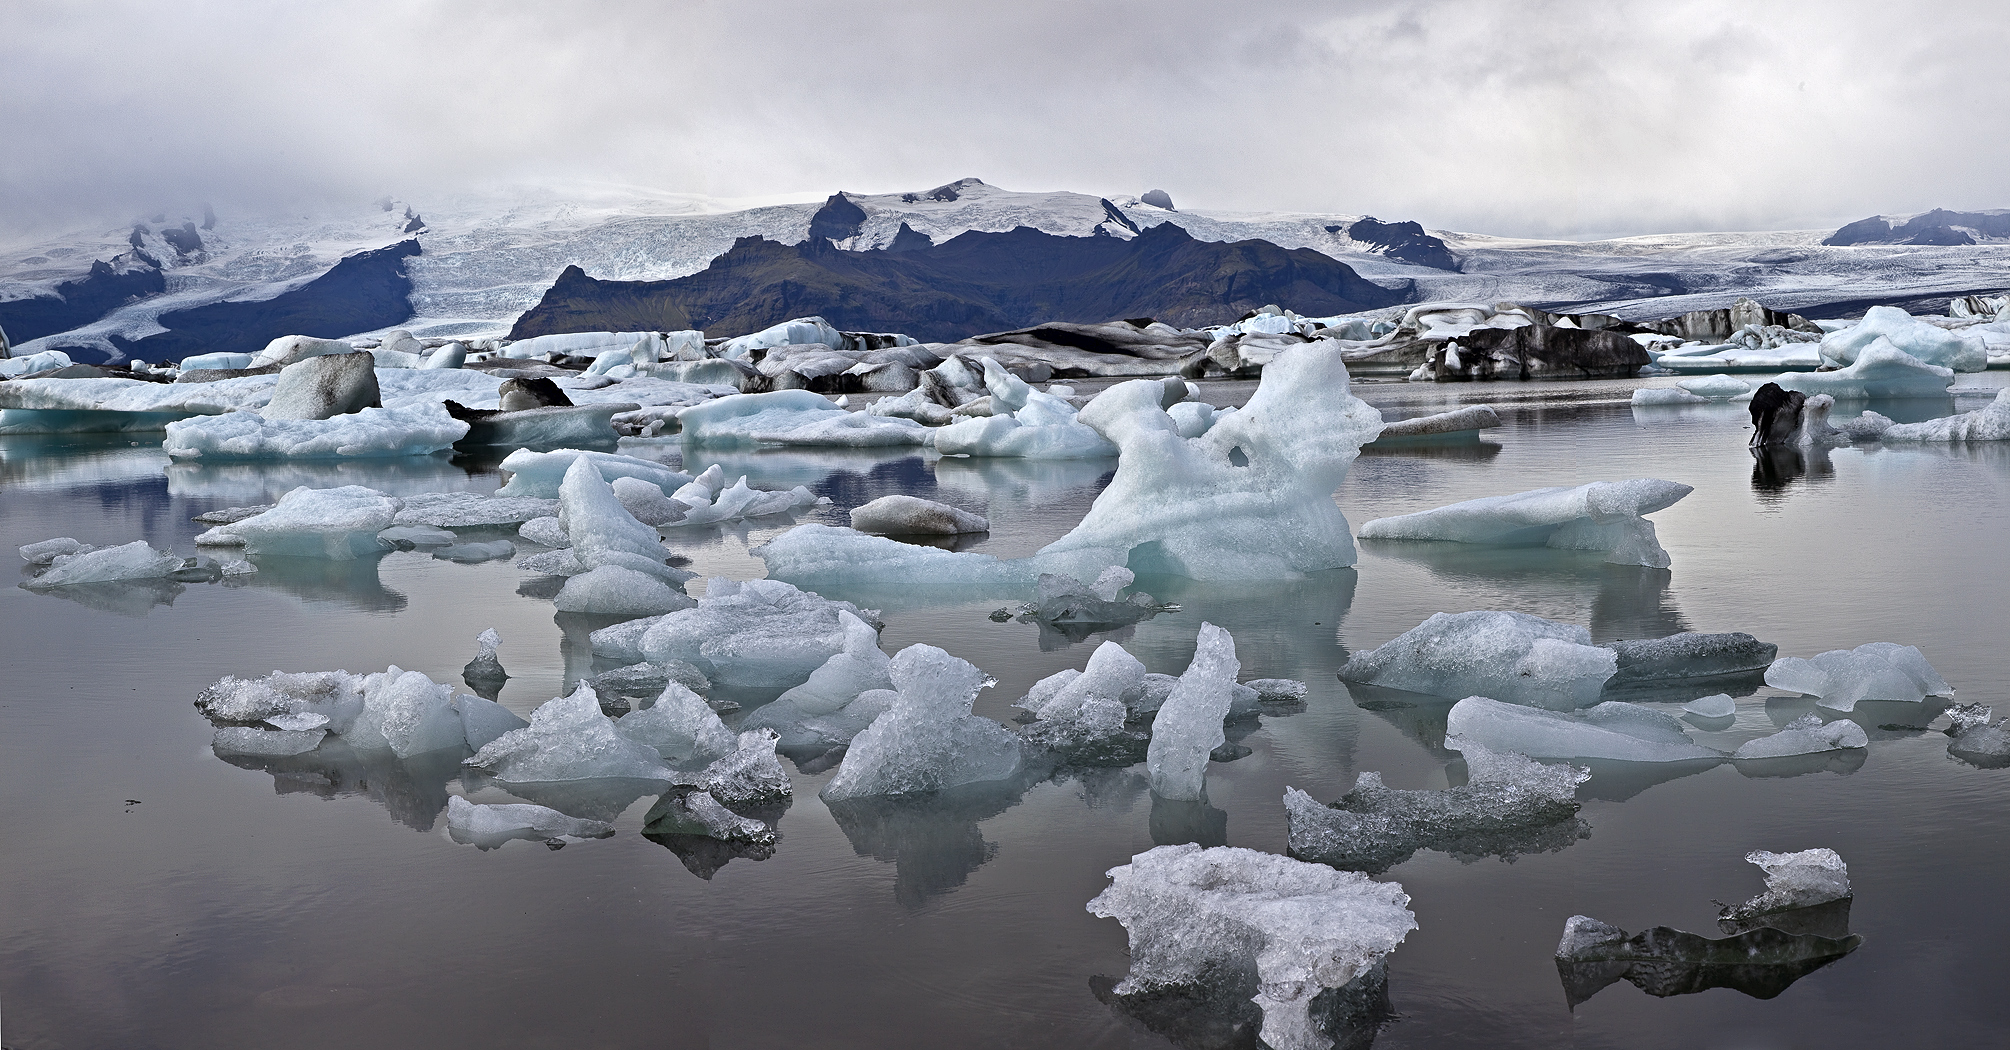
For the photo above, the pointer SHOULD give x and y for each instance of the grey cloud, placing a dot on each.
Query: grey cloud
(1540, 118)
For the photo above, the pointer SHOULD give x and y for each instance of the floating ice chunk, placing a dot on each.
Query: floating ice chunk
(698, 813)
(859, 667)
(928, 741)
(798, 332)
(1039, 426)
(409, 537)
(324, 386)
(603, 533)
(407, 712)
(412, 430)
(911, 515)
(1197, 916)
(792, 417)
(750, 774)
(32, 363)
(336, 695)
(1189, 725)
(275, 743)
(1278, 690)
(1806, 879)
(49, 550)
(540, 474)
(466, 510)
(743, 501)
(1612, 730)
(1960, 351)
(545, 532)
(619, 591)
(637, 686)
(1512, 656)
(1717, 387)
(129, 561)
(1974, 736)
(1666, 395)
(1689, 655)
(1373, 828)
(1458, 424)
(489, 826)
(569, 739)
(1872, 671)
(1880, 370)
(1718, 706)
(1989, 423)
(1112, 677)
(452, 355)
(680, 726)
(1601, 516)
(1074, 608)
(1806, 735)
(484, 720)
(647, 502)
(338, 523)
(756, 634)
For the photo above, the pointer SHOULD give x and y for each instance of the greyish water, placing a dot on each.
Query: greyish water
(155, 896)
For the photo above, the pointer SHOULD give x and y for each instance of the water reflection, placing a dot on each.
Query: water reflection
(670, 825)
(30, 462)
(121, 597)
(1664, 961)
(413, 791)
(1175, 822)
(244, 484)
(1625, 601)
(1776, 467)
(934, 843)
(1219, 1015)
(352, 583)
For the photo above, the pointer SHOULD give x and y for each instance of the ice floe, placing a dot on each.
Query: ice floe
(1924, 342)
(753, 634)
(569, 739)
(130, 561)
(1188, 725)
(415, 430)
(1806, 735)
(1838, 679)
(1612, 730)
(928, 740)
(792, 417)
(1600, 516)
(489, 826)
(1509, 656)
(902, 515)
(1227, 915)
(1509, 805)
(1025, 423)
(339, 523)
(1989, 423)
(1879, 371)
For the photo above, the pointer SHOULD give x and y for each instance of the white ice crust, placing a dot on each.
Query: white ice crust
(1880, 370)
(1509, 656)
(415, 430)
(762, 634)
(339, 523)
(1891, 325)
(792, 417)
(1600, 516)
(1300, 927)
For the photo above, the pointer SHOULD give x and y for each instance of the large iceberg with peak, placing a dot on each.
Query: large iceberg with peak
(1926, 342)
(1251, 498)
(1600, 516)
(1200, 917)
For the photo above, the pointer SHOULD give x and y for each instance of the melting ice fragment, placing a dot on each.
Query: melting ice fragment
(928, 740)
(1973, 736)
(1872, 671)
(1228, 915)
(1072, 607)
(49, 550)
(680, 726)
(1810, 878)
(841, 697)
(900, 515)
(753, 634)
(408, 430)
(1806, 735)
(569, 739)
(1612, 730)
(130, 561)
(750, 774)
(487, 826)
(1510, 656)
(1086, 711)
(1510, 805)
(485, 673)
(1189, 725)
(1719, 705)
(1600, 516)
(1689, 655)
(338, 523)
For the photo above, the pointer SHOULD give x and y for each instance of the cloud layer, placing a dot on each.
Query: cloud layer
(1537, 118)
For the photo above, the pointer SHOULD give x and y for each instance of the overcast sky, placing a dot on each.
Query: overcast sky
(1569, 118)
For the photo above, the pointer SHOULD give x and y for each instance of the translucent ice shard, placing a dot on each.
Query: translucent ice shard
(1611, 730)
(680, 726)
(749, 774)
(130, 561)
(339, 523)
(1510, 656)
(49, 550)
(1872, 671)
(1224, 915)
(754, 634)
(488, 826)
(1189, 725)
(1806, 735)
(928, 741)
(569, 739)
(818, 714)
(1807, 879)
(1510, 805)
(1600, 516)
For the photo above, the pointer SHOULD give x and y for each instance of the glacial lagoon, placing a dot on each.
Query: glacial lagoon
(157, 895)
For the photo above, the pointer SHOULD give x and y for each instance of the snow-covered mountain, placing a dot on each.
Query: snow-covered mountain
(489, 257)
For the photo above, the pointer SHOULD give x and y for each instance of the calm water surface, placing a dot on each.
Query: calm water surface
(153, 895)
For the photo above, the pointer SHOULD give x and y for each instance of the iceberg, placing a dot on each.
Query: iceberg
(489, 826)
(1688, 655)
(1084, 713)
(1463, 424)
(1024, 423)
(1989, 423)
(616, 590)
(1189, 724)
(1659, 395)
(1249, 499)
(414, 537)
(1199, 917)
(756, 634)
(1921, 340)
(707, 500)
(792, 417)
(1717, 387)
(820, 712)
(469, 510)
(604, 534)
(1806, 735)
(539, 474)
(324, 386)
(1807, 879)
(1075, 609)
(680, 726)
(928, 741)
(1720, 705)
(339, 523)
(749, 774)
(47, 551)
(131, 561)
(1973, 736)
(569, 739)
(1612, 730)
(416, 430)
(1880, 370)
(1872, 671)
(901, 515)
(483, 720)
(1373, 828)
(1601, 516)
(1510, 656)
(406, 712)
(335, 696)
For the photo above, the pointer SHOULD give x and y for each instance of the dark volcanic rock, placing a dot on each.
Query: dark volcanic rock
(365, 291)
(971, 284)
(1403, 240)
(108, 286)
(1158, 199)
(185, 239)
(908, 239)
(838, 220)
